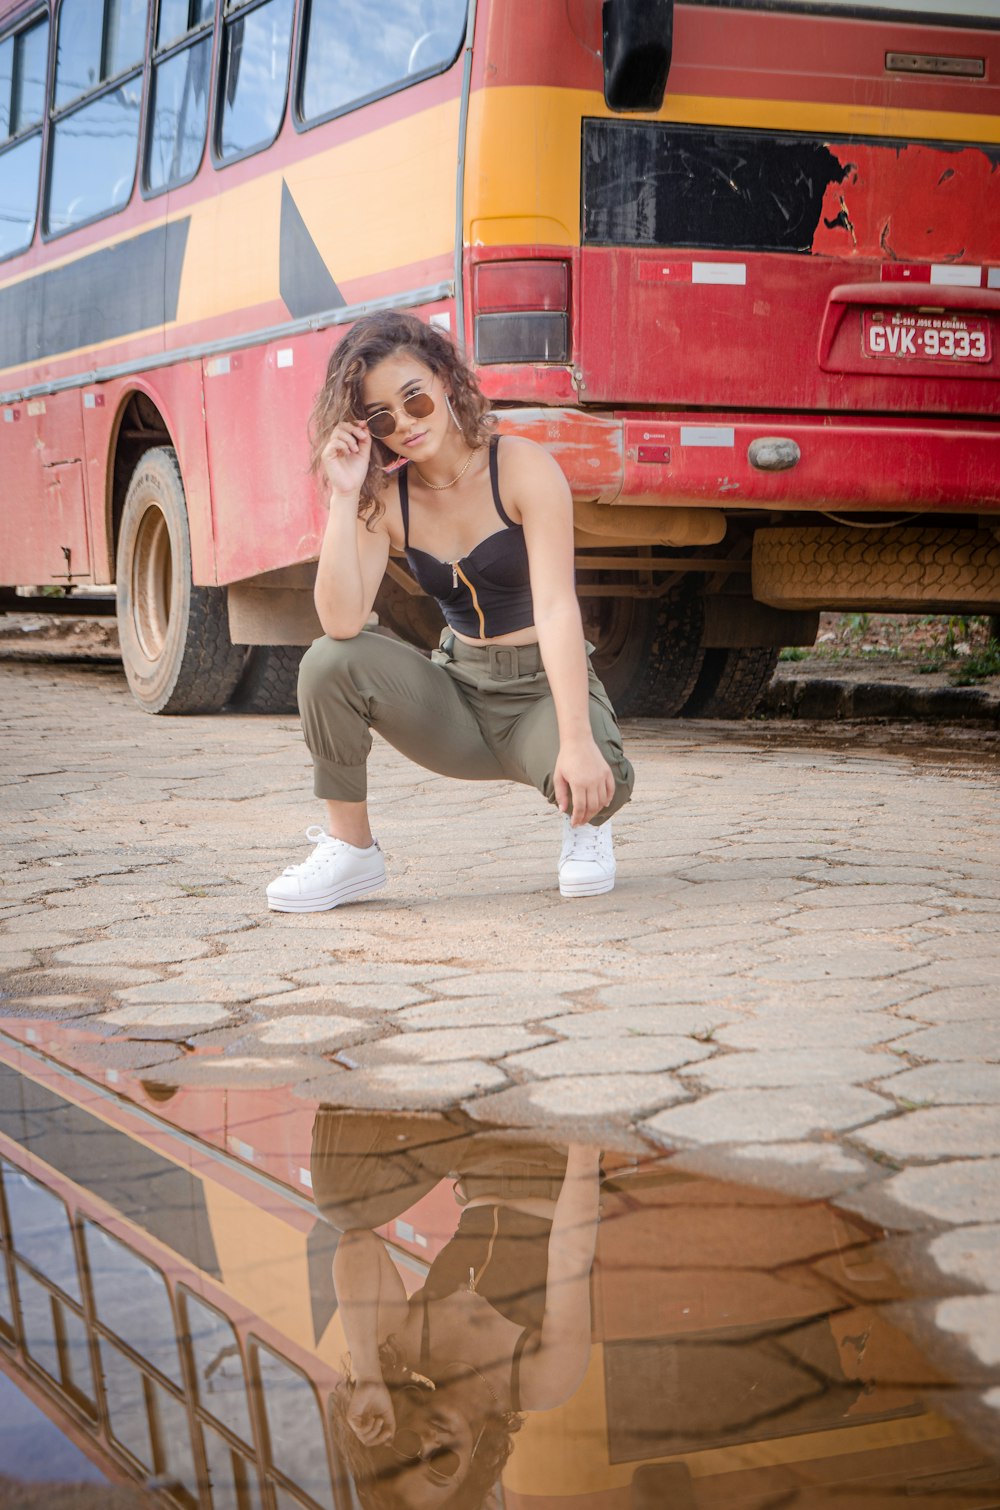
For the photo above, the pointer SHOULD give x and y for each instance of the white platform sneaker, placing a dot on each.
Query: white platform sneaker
(587, 861)
(335, 872)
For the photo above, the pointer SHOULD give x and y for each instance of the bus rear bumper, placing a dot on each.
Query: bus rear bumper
(770, 461)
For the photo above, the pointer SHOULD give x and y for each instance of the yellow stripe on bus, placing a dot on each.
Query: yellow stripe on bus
(523, 183)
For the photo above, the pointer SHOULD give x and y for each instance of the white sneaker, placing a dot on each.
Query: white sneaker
(587, 861)
(335, 872)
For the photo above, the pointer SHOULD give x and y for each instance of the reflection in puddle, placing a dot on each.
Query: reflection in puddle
(241, 1300)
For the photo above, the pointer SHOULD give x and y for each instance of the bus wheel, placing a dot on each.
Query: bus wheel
(174, 636)
(648, 651)
(731, 683)
(269, 680)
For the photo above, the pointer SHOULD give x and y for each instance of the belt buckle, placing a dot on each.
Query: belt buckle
(503, 662)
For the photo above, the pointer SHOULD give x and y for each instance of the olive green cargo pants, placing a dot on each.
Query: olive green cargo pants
(480, 713)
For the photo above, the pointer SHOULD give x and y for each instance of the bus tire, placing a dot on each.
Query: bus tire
(732, 682)
(174, 636)
(648, 652)
(269, 681)
(896, 569)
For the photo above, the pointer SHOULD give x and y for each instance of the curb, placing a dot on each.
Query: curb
(830, 699)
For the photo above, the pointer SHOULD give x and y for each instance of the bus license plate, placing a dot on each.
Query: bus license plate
(936, 338)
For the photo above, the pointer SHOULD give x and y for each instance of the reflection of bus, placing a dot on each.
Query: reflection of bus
(165, 1292)
(746, 290)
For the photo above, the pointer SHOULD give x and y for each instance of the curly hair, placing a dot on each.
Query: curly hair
(368, 342)
(374, 1490)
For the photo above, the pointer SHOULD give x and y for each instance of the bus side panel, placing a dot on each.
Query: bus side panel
(176, 393)
(43, 521)
(267, 509)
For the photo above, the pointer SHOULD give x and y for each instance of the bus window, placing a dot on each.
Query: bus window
(254, 76)
(295, 1437)
(39, 1323)
(235, 1485)
(218, 1366)
(178, 17)
(23, 65)
(178, 114)
(40, 1231)
(347, 60)
(97, 44)
(125, 1396)
(6, 1303)
(172, 1440)
(131, 1300)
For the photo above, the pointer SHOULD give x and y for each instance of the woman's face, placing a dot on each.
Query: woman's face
(443, 1427)
(389, 385)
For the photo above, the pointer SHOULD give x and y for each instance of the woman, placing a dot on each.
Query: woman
(403, 439)
(501, 1325)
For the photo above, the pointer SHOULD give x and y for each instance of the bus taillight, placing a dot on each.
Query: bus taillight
(522, 311)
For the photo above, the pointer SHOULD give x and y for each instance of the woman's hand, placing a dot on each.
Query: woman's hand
(346, 457)
(583, 779)
(370, 1414)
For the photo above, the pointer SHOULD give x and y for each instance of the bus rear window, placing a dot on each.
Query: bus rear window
(348, 60)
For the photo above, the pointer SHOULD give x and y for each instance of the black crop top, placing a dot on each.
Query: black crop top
(487, 592)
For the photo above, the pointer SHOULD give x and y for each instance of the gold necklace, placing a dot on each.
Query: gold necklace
(439, 487)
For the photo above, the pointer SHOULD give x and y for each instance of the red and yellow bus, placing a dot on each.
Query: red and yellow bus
(737, 262)
(166, 1298)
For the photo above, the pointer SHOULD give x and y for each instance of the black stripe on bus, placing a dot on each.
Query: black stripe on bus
(114, 292)
(164, 1200)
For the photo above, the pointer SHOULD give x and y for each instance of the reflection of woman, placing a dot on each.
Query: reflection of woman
(403, 440)
(501, 1325)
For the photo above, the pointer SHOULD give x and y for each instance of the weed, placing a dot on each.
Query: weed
(976, 668)
(794, 653)
(704, 1035)
(192, 891)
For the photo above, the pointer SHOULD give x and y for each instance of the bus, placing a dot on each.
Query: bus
(736, 263)
(166, 1300)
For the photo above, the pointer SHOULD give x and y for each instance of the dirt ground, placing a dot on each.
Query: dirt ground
(937, 650)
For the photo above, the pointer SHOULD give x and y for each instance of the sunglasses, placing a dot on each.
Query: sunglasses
(383, 423)
(442, 1463)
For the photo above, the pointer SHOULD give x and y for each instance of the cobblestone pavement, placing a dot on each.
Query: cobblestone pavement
(797, 976)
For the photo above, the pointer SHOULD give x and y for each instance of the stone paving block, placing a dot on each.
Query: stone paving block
(243, 1070)
(765, 1116)
(474, 1012)
(836, 894)
(313, 1028)
(977, 1041)
(955, 1084)
(965, 1004)
(132, 952)
(442, 1045)
(816, 1170)
(48, 1006)
(666, 992)
(642, 1022)
(513, 984)
(962, 1190)
(809, 1027)
(850, 964)
(971, 1255)
(860, 920)
(112, 978)
(937, 1132)
(976, 1320)
(189, 988)
(192, 1014)
(16, 959)
(369, 996)
(418, 1087)
(825, 1065)
(589, 1099)
(612, 1056)
(980, 969)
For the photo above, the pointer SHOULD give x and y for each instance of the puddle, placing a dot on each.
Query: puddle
(530, 1325)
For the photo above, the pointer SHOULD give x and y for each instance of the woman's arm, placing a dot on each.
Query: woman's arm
(353, 558)
(583, 778)
(554, 1371)
(372, 1305)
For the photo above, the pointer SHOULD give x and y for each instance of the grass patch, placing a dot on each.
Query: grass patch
(978, 667)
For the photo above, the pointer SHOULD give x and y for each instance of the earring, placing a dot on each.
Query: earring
(454, 416)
